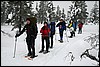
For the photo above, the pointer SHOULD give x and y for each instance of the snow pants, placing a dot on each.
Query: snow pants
(80, 31)
(51, 40)
(72, 34)
(31, 45)
(47, 43)
(61, 35)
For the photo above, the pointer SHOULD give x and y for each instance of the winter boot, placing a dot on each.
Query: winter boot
(61, 41)
(70, 36)
(45, 52)
(51, 47)
(28, 55)
(41, 51)
(31, 58)
(73, 33)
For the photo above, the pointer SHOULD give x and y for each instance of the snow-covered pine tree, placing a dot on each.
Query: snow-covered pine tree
(41, 12)
(51, 12)
(20, 10)
(63, 14)
(78, 10)
(94, 15)
(4, 10)
(84, 13)
(58, 13)
(44, 11)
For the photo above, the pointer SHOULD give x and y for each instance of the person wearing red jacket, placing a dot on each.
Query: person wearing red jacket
(80, 25)
(45, 36)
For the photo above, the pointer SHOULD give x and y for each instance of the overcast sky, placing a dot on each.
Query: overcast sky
(66, 4)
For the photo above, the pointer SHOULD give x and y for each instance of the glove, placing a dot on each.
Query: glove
(16, 35)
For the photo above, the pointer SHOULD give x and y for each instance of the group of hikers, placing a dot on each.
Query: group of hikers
(47, 33)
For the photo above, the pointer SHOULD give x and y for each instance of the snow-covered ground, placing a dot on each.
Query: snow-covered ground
(56, 57)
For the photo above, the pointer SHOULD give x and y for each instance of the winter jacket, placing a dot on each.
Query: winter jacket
(62, 26)
(70, 25)
(73, 25)
(31, 31)
(52, 28)
(45, 31)
(80, 25)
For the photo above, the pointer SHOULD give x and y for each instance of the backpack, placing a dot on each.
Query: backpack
(33, 21)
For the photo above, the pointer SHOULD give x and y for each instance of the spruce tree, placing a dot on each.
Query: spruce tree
(20, 11)
(4, 10)
(44, 11)
(95, 14)
(58, 13)
(41, 12)
(63, 14)
(50, 11)
(78, 11)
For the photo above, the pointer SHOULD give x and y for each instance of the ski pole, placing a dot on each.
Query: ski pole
(15, 44)
(15, 47)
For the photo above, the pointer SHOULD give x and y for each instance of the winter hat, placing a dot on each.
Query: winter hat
(61, 19)
(28, 19)
(45, 23)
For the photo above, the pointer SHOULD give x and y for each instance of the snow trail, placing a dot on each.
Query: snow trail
(55, 57)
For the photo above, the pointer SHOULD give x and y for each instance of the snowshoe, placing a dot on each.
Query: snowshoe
(45, 52)
(61, 41)
(27, 56)
(31, 58)
(41, 51)
(70, 37)
(51, 47)
(58, 40)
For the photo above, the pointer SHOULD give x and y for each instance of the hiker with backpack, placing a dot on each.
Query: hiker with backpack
(45, 36)
(31, 31)
(62, 27)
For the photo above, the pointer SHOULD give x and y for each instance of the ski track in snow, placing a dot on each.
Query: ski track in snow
(55, 57)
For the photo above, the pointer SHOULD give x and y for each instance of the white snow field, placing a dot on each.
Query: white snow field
(56, 57)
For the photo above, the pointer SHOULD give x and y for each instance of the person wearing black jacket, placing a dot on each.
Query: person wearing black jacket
(31, 31)
(52, 32)
(62, 27)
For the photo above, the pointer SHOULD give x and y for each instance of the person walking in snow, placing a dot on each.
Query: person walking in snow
(45, 36)
(70, 26)
(74, 25)
(52, 32)
(31, 31)
(62, 27)
(80, 25)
